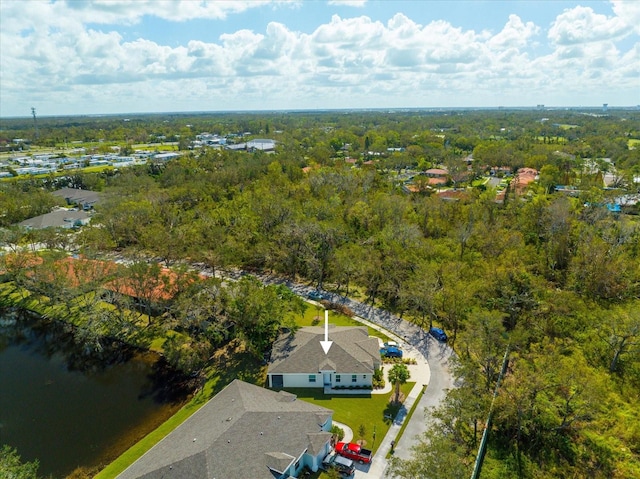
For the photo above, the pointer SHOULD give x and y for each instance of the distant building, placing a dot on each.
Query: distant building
(84, 199)
(61, 218)
(259, 144)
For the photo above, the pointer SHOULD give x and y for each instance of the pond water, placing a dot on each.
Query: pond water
(67, 410)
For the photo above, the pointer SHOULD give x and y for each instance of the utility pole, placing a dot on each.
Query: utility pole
(477, 467)
(35, 123)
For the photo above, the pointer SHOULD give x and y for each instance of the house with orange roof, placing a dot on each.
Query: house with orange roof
(523, 178)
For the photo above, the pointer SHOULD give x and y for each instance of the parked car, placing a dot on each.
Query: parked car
(391, 343)
(343, 465)
(354, 452)
(391, 352)
(439, 334)
(315, 296)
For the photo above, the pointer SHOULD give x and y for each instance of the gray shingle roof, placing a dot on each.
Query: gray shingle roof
(352, 352)
(239, 433)
(77, 196)
(56, 219)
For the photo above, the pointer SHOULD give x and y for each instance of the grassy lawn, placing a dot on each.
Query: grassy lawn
(314, 316)
(633, 143)
(479, 181)
(356, 410)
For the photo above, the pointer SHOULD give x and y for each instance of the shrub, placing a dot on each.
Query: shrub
(378, 379)
(340, 308)
(337, 432)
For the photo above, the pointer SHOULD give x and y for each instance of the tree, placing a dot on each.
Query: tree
(362, 432)
(620, 331)
(485, 341)
(12, 467)
(435, 456)
(257, 312)
(398, 375)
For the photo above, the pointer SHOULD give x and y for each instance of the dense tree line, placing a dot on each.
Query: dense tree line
(555, 278)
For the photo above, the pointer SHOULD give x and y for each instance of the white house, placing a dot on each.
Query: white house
(245, 431)
(298, 360)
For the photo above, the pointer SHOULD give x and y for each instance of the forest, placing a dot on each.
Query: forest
(552, 279)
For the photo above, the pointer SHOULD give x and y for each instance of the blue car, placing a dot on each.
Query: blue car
(439, 334)
(391, 352)
(315, 296)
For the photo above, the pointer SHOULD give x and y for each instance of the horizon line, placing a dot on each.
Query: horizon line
(541, 107)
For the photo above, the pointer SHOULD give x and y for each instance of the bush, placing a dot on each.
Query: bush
(340, 308)
(387, 360)
(378, 379)
(337, 432)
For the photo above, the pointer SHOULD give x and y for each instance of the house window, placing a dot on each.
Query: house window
(354, 378)
(337, 378)
(364, 376)
(312, 378)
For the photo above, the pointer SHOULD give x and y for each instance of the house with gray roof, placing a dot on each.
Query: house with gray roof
(85, 199)
(245, 431)
(59, 218)
(298, 359)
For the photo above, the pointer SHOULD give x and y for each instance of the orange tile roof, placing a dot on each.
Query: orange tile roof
(86, 271)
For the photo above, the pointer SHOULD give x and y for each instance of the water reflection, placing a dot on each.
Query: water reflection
(70, 409)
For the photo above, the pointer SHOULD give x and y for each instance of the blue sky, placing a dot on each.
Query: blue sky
(112, 56)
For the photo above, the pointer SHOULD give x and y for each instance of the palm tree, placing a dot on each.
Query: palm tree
(398, 375)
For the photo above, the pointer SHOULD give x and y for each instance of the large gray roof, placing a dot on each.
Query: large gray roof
(352, 351)
(61, 218)
(239, 433)
(78, 196)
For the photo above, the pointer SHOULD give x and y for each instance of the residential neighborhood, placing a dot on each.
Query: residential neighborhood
(328, 275)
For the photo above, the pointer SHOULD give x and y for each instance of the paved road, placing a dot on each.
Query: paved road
(419, 342)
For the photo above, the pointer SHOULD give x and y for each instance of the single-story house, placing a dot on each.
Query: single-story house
(299, 361)
(61, 218)
(523, 178)
(436, 173)
(244, 431)
(74, 196)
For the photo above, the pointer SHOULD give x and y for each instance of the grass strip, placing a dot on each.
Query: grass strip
(408, 417)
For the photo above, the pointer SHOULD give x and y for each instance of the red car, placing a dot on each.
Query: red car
(354, 452)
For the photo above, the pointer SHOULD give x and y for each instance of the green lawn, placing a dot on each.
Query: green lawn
(314, 316)
(356, 410)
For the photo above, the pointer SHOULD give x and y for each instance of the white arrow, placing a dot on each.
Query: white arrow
(326, 344)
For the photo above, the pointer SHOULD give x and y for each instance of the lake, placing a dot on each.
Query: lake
(67, 410)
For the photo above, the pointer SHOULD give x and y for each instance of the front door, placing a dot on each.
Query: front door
(326, 379)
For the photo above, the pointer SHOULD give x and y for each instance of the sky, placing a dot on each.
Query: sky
(78, 57)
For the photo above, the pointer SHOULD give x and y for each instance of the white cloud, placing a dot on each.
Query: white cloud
(582, 25)
(348, 3)
(515, 34)
(628, 11)
(55, 52)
